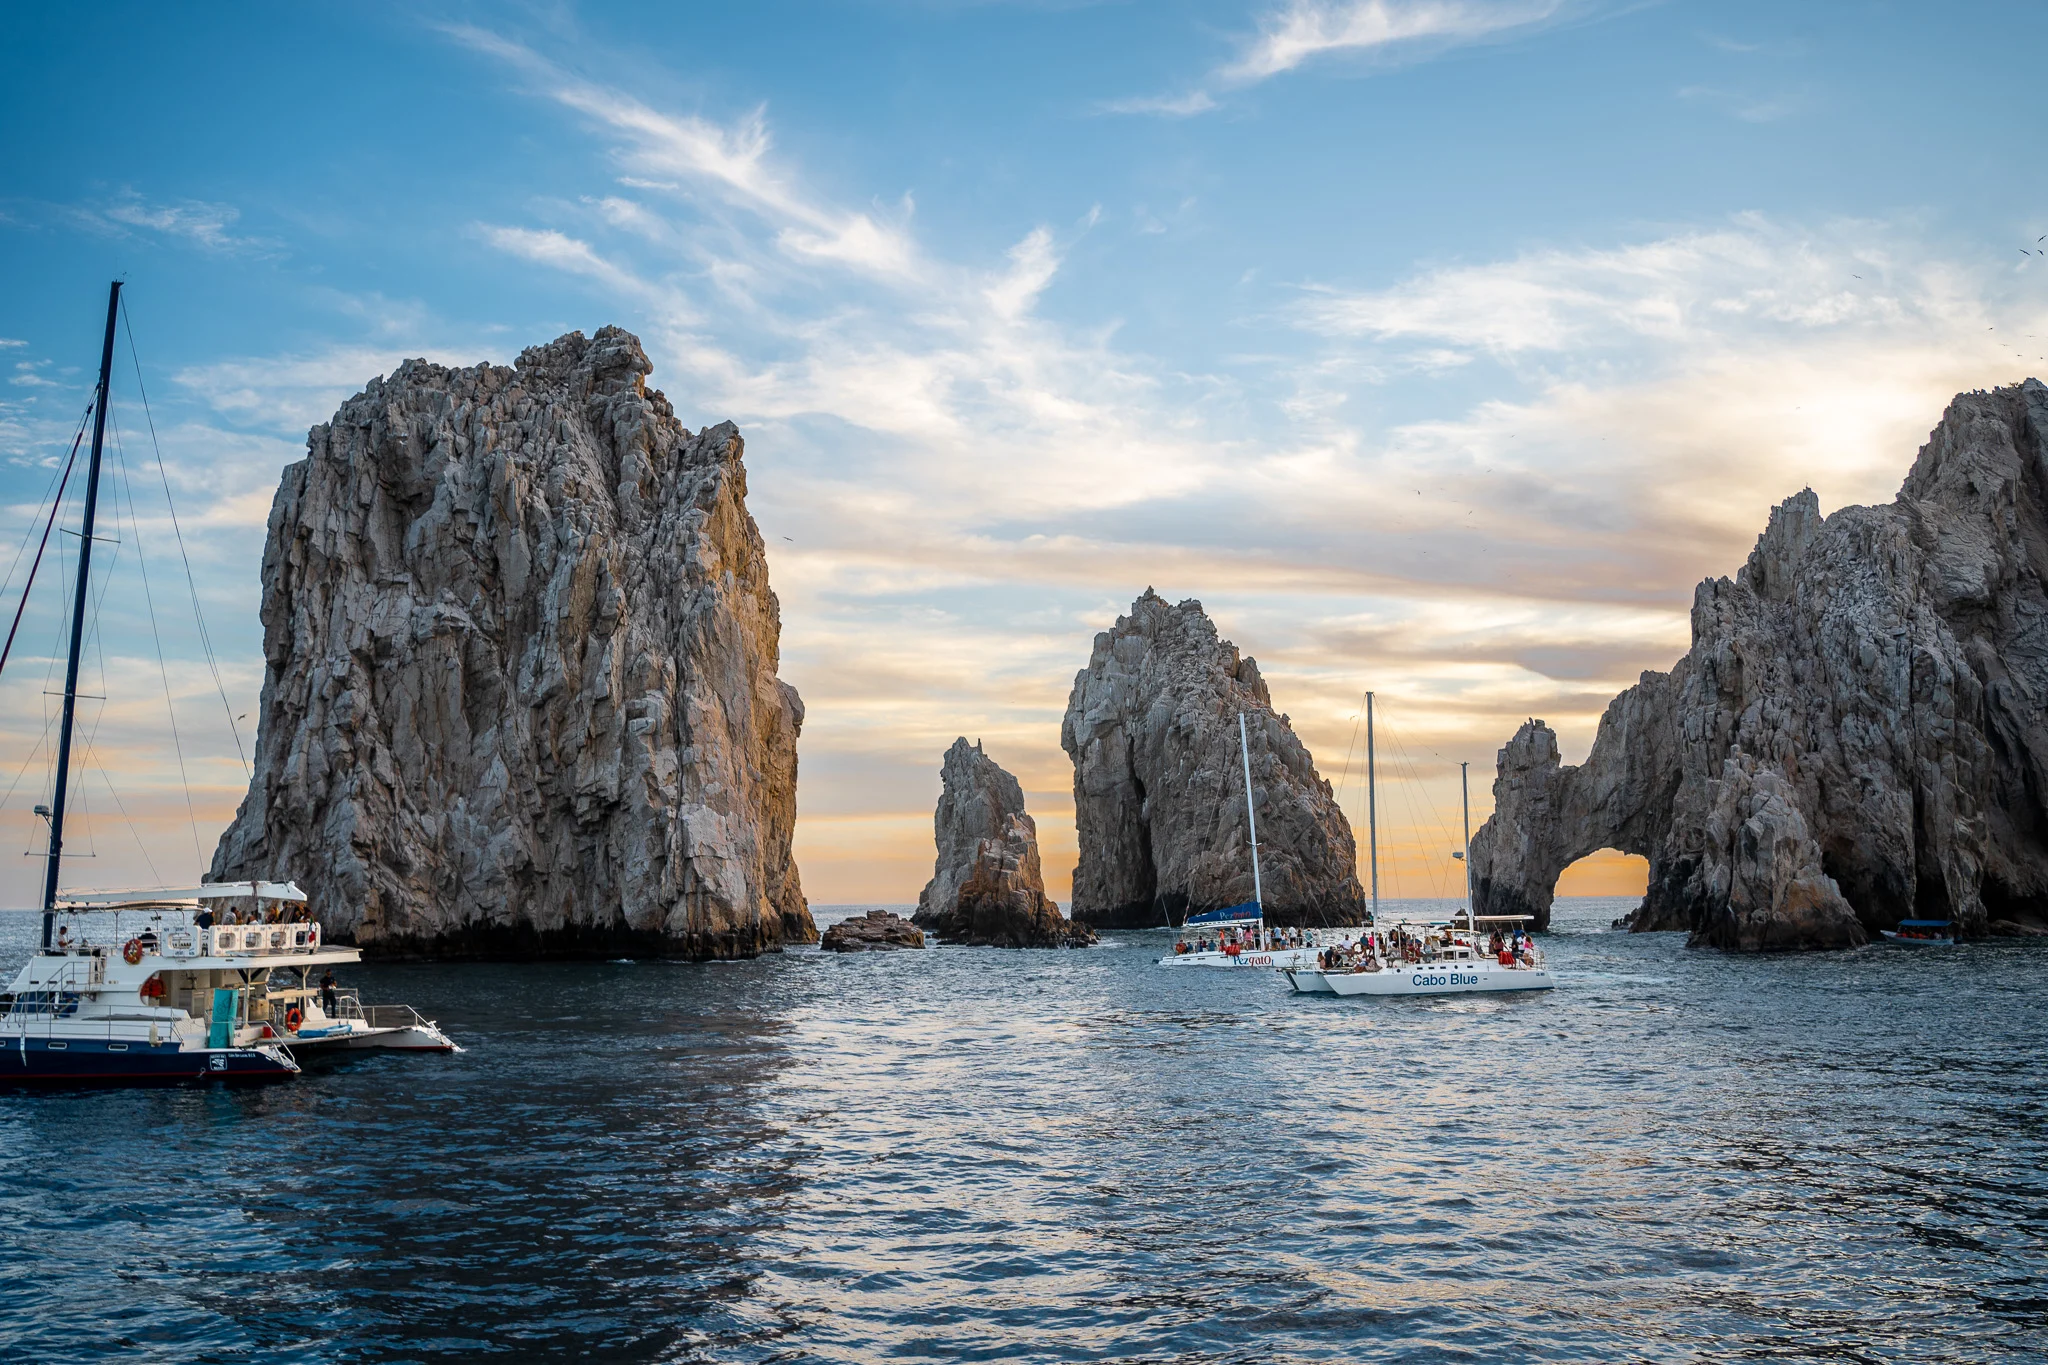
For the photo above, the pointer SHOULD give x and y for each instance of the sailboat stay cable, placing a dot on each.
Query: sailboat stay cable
(162, 667)
(1404, 759)
(58, 469)
(37, 748)
(56, 504)
(192, 583)
(1350, 749)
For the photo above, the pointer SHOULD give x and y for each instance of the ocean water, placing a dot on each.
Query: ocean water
(967, 1154)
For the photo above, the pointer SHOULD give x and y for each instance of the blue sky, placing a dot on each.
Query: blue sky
(1438, 346)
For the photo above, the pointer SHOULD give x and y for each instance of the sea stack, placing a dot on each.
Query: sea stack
(520, 693)
(1858, 735)
(987, 886)
(1152, 727)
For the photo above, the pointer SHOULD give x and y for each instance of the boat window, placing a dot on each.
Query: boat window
(117, 1047)
(59, 1047)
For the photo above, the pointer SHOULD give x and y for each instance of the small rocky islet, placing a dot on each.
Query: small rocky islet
(987, 887)
(520, 700)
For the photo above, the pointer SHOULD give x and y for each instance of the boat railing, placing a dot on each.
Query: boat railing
(239, 940)
(393, 1016)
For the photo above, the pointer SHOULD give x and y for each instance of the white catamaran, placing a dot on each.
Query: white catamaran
(1241, 938)
(208, 983)
(1425, 957)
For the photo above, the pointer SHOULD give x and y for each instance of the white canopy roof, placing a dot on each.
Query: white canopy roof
(174, 895)
(269, 891)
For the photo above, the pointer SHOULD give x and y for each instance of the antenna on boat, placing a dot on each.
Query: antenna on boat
(1372, 812)
(92, 492)
(1244, 748)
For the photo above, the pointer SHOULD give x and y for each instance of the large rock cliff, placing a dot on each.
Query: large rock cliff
(519, 693)
(1858, 735)
(987, 886)
(1159, 786)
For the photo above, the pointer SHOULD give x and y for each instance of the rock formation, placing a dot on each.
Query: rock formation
(986, 885)
(877, 931)
(1858, 735)
(1159, 786)
(519, 693)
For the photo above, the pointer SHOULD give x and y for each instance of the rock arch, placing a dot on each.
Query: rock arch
(1858, 734)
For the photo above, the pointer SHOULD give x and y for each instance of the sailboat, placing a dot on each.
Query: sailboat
(1241, 936)
(1405, 957)
(213, 983)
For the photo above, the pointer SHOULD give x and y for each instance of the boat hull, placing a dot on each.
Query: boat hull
(1307, 980)
(417, 1038)
(1282, 958)
(1464, 978)
(1905, 942)
(27, 1061)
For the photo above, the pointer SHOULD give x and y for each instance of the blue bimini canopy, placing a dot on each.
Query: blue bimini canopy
(1230, 914)
(1917, 923)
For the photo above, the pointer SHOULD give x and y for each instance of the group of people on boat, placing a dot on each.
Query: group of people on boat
(278, 913)
(1405, 945)
(1516, 949)
(1235, 941)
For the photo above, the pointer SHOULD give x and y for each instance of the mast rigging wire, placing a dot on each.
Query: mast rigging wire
(205, 640)
(55, 503)
(127, 486)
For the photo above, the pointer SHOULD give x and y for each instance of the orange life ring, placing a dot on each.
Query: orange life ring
(131, 951)
(293, 1017)
(154, 987)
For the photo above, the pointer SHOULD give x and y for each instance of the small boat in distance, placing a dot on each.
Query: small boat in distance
(1923, 933)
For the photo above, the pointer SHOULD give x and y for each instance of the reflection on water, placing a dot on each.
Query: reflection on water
(1076, 1156)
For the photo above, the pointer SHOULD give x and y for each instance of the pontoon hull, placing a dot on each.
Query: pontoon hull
(424, 1038)
(77, 1061)
(1439, 979)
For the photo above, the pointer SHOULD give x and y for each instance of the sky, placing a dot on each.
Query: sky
(1439, 347)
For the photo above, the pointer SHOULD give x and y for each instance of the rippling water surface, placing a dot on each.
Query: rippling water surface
(968, 1154)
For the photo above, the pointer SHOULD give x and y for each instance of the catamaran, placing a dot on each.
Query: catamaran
(1241, 937)
(214, 982)
(1442, 957)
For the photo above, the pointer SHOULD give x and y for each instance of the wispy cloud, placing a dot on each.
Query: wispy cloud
(1305, 30)
(1301, 32)
(198, 222)
(1743, 105)
(1750, 274)
(1169, 106)
(731, 159)
(551, 248)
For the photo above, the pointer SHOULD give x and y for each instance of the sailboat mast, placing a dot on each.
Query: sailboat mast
(92, 494)
(1372, 812)
(1465, 799)
(1244, 748)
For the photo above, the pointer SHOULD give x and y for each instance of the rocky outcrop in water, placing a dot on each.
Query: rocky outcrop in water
(878, 931)
(1858, 735)
(987, 887)
(1159, 787)
(519, 693)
